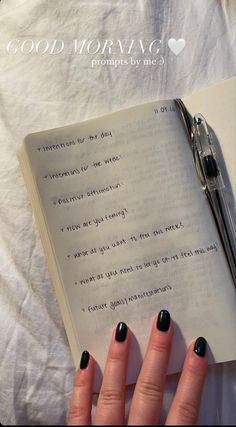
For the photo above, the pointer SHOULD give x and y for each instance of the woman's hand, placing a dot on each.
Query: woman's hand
(147, 399)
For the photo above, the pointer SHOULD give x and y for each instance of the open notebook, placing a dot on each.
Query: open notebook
(127, 230)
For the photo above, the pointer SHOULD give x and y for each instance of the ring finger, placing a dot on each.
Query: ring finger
(147, 400)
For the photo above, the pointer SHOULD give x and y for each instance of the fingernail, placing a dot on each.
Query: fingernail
(121, 332)
(84, 360)
(163, 321)
(200, 346)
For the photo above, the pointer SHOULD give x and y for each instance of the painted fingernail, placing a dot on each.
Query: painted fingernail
(121, 332)
(200, 346)
(84, 360)
(163, 321)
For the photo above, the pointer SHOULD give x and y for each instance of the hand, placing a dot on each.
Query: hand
(147, 398)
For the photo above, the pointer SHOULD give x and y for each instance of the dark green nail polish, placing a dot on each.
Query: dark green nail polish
(163, 321)
(200, 346)
(121, 332)
(84, 360)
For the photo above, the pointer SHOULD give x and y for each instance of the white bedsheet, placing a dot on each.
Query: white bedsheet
(44, 91)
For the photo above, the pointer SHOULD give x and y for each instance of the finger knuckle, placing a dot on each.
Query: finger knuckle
(77, 412)
(80, 382)
(188, 412)
(159, 346)
(196, 371)
(111, 396)
(151, 390)
(115, 357)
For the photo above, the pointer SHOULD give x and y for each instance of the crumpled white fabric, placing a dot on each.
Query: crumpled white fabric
(41, 92)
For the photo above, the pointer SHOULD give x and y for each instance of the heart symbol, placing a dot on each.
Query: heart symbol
(176, 46)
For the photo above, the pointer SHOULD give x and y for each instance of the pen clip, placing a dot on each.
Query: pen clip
(204, 155)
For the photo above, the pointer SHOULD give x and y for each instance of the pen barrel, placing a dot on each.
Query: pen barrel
(226, 224)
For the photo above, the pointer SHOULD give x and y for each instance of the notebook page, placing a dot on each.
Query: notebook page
(132, 232)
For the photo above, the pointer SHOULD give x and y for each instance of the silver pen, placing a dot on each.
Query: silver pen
(210, 176)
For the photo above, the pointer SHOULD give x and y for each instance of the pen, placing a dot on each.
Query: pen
(210, 176)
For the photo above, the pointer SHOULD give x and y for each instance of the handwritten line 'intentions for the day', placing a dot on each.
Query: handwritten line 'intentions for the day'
(77, 141)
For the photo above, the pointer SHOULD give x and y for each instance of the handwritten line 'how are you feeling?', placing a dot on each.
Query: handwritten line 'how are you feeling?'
(97, 221)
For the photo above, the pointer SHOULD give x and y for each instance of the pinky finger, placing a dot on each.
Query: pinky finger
(81, 400)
